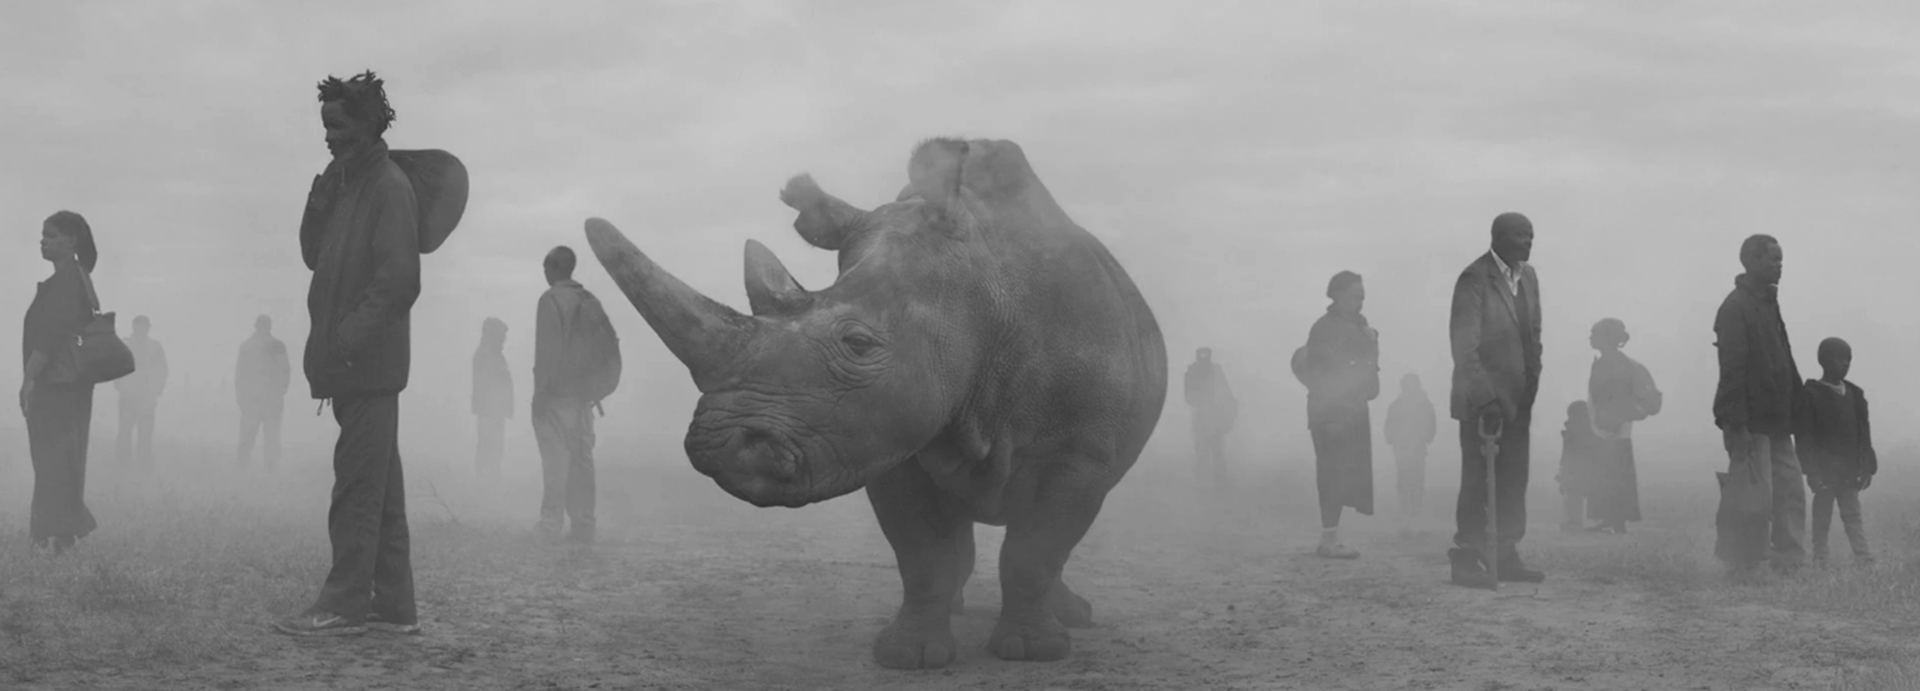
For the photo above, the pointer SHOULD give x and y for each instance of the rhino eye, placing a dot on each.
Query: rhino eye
(860, 344)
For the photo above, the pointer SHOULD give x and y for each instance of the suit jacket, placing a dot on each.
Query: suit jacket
(1495, 357)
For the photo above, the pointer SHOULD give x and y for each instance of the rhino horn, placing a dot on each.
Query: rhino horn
(710, 338)
(770, 289)
(825, 221)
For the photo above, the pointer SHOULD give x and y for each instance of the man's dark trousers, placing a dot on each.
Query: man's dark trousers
(1470, 514)
(367, 521)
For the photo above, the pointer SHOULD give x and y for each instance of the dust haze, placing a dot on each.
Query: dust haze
(1232, 156)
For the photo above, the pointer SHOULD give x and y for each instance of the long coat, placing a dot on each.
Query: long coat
(1496, 341)
(1342, 375)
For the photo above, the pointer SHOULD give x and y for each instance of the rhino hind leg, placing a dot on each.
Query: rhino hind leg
(927, 540)
(1033, 597)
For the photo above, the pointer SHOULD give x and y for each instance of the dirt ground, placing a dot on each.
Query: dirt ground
(689, 590)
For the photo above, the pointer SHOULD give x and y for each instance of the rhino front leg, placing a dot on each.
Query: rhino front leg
(928, 537)
(1034, 601)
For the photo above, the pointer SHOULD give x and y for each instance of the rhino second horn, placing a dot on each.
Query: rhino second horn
(710, 338)
(770, 288)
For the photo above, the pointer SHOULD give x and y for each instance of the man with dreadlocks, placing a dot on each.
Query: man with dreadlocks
(361, 239)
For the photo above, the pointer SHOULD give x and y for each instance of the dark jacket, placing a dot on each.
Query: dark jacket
(1496, 347)
(1758, 379)
(1342, 367)
(363, 245)
(261, 372)
(1832, 434)
(1211, 397)
(492, 383)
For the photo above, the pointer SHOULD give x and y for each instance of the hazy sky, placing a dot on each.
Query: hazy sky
(1234, 155)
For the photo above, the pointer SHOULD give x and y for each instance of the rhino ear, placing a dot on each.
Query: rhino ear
(825, 221)
(770, 288)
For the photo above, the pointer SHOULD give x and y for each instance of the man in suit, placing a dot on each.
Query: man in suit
(1495, 331)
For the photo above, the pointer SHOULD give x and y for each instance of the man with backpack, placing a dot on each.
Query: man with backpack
(576, 364)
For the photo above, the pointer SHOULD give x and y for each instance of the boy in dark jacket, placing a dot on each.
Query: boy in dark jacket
(1836, 449)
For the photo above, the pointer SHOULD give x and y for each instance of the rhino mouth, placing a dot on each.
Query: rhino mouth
(755, 462)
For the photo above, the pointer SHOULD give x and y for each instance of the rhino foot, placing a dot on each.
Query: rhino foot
(1071, 609)
(909, 643)
(1033, 639)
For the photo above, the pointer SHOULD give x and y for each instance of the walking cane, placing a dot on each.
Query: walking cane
(1490, 449)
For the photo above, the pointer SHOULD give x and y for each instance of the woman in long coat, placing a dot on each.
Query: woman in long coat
(1342, 374)
(58, 413)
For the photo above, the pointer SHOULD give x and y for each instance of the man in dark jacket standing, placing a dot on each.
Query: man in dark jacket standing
(1495, 331)
(576, 363)
(360, 237)
(1214, 410)
(140, 396)
(1754, 408)
(261, 375)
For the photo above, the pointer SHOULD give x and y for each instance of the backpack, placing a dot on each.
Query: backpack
(592, 352)
(1646, 396)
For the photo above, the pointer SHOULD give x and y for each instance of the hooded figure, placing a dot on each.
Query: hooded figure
(1410, 428)
(492, 397)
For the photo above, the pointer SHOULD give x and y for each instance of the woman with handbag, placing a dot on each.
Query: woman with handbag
(57, 403)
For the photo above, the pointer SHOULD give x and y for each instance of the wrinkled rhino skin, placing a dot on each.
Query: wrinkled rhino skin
(980, 358)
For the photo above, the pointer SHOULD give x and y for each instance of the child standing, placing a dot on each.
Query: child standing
(1581, 474)
(1836, 449)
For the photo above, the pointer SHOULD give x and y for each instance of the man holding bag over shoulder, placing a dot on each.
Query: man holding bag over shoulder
(1754, 409)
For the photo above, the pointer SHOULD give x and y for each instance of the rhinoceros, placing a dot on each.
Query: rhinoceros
(980, 358)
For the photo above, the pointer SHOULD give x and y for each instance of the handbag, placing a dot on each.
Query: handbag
(96, 354)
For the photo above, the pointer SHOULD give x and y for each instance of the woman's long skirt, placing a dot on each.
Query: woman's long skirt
(59, 418)
(1343, 460)
(1616, 498)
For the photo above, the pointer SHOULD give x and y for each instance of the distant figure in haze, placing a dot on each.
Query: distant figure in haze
(1341, 368)
(1410, 429)
(576, 364)
(361, 238)
(1214, 411)
(140, 396)
(492, 398)
(1754, 409)
(1837, 444)
(1495, 334)
(59, 411)
(1582, 455)
(261, 377)
(1621, 392)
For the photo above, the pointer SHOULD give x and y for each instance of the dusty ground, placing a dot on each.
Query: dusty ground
(691, 591)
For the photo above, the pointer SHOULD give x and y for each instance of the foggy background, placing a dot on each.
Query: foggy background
(1232, 155)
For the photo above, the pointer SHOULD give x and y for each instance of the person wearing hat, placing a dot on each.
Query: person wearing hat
(59, 413)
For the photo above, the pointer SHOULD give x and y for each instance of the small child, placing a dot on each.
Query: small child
(1836, 449)
(1579, 477)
